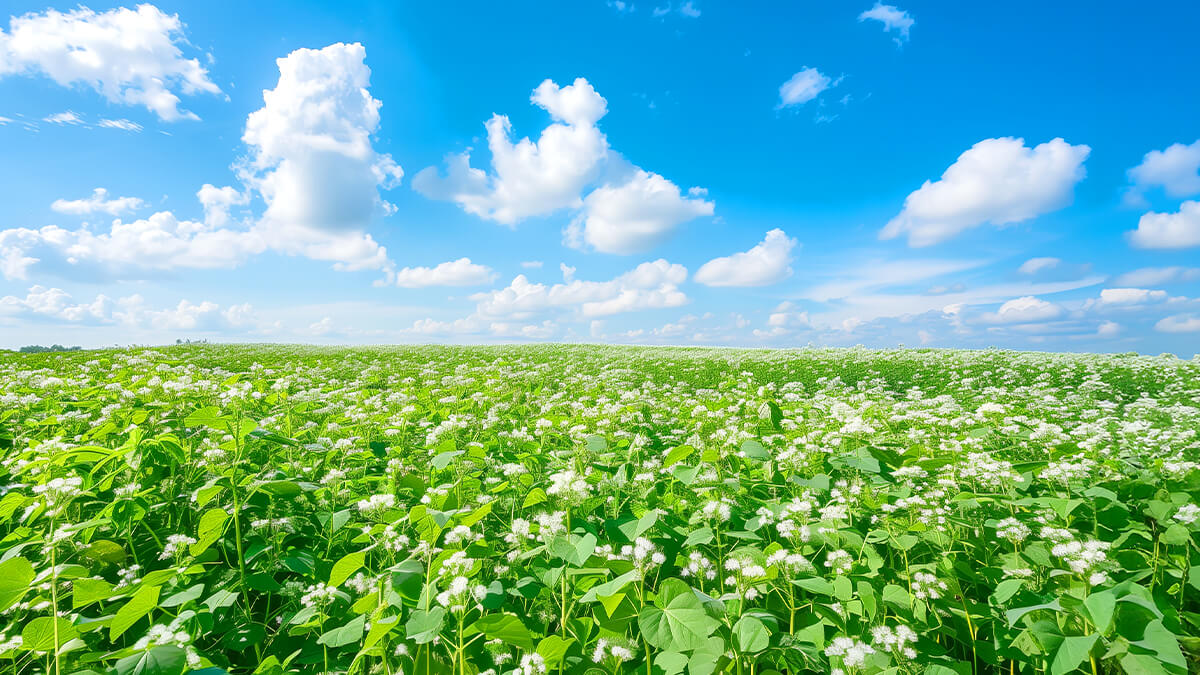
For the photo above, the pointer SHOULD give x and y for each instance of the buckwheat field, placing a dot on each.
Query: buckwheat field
(272, 509)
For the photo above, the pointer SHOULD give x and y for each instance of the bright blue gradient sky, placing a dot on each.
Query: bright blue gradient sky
(938, 174)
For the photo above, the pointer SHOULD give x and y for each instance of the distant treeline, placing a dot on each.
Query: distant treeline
(39, 349)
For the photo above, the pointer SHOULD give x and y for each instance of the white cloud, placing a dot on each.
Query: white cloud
(461, 272)
(531, 264)
(1169, 230)
(1176, 170)
(129, 56)
(97, 203)
(1027, 309)
(892, 18)
(312, 156)
(217, 202)
(159, 242)
(1178, 323)
(131, 311)
(1035, 265)
(528, 178)
(651, 285)
(313, 162)
(623, 209)
(64, 117)
(122, 124)
(1108, 329)
(1155, 276)
(804, 86)
(689, 10)
(767, 263)
(1130, 296)
(634, 216)
(998, 181)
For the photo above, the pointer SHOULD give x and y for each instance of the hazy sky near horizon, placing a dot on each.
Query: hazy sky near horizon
(926, 173)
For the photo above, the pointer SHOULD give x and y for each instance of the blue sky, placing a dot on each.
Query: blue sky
(937, 174)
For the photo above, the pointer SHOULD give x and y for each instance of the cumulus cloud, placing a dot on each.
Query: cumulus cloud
(802, 87)
(128, 56)
(1169, 230)
(651, 285)
(998, 181)
(131, 311)
(634, 216)
(622, 208)
(1125, 297)
(127, 249)
(1178, 323)
(461, 272)
(529, 178)
(767, 263)
(1154, 276)
(312, 158)
(893, 19)
(1027, 309)
(97, 203)
(1035, 265)
(217, 201)
(1176, 170)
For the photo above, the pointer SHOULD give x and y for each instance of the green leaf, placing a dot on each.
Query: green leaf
(183, 597)
(536, 496)
(815, 585)
(1163, 643)
(573, 548)
(755, 450)
(107, 551)
(162, 660)
(349, 564)
(15, 576)
(379, 628)
(141, 604)
(553, 648)
(423, 626)
(39, 634)
(208, 416)
(86, 591)
(671, 663)
(1014, 615)
(752, 635)
(1100, 607)
(506, 627)
(211, 528)
(677, 454)
(1072, 652)
(341, 636)
(677, 621)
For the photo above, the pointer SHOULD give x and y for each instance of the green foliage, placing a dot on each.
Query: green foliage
(233, 510)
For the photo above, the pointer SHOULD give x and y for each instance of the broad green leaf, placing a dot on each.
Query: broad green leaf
(506, 627)
(677, 621)
(423, 626)
(15, 576)
(141, 604)
(350, 632)
(1072, 652)
(752, 635)
(39, 634)
(161, 660)
(349, 564)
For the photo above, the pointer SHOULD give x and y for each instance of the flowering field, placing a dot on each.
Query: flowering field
(597, 510)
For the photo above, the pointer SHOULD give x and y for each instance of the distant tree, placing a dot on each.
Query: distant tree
(39, 349)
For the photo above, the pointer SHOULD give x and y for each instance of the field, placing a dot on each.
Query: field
(273, 509)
